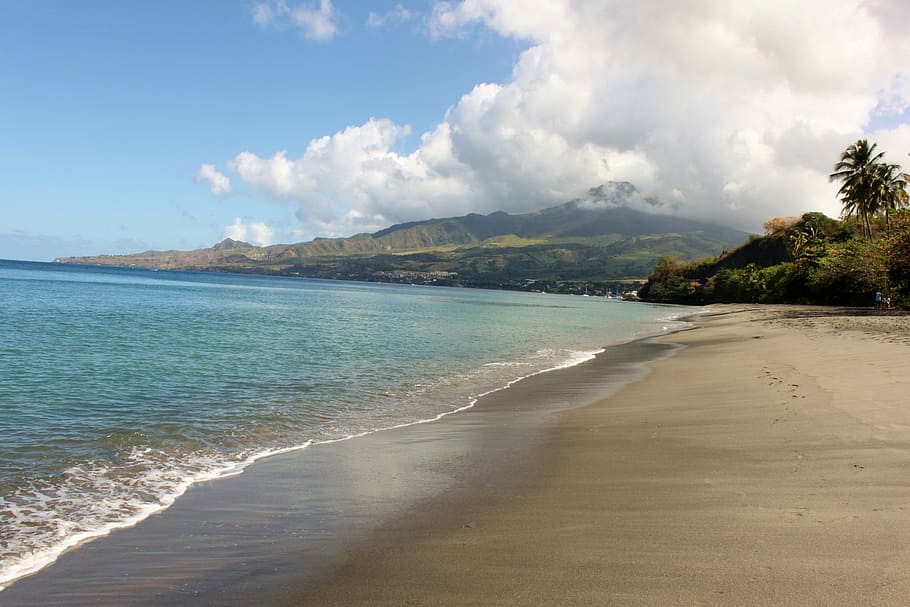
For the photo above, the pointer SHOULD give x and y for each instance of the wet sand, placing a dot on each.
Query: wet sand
(767, 463)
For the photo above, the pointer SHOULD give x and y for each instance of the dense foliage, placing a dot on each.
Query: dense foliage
(815, 260)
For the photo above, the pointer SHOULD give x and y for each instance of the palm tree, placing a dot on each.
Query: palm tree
(889, 186)
(856, 169)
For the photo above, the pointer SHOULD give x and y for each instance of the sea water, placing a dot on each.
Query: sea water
(121, 388)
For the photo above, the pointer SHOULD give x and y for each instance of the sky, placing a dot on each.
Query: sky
(128, 126)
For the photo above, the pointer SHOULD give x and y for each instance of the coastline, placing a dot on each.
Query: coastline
(764, 464)
(114, 434)
(233, 540)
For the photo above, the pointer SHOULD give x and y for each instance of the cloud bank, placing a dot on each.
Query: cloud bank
(733, 112)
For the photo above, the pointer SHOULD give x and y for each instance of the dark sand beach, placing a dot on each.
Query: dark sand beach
(765, 463)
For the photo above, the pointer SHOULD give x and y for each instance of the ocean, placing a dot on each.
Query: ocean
(122, 388)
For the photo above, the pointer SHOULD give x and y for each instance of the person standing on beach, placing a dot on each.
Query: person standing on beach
(878, 300)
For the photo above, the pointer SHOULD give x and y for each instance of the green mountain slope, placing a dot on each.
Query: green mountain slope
(598, 238)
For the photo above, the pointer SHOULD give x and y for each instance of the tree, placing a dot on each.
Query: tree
(856, 169)
(895, 249)
(778, 225)
(796, 243)
(889, 185)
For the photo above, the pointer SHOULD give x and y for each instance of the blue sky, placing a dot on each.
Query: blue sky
(128, 126)
(110, 107)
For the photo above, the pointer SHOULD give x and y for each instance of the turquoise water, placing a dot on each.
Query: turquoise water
(120, 388)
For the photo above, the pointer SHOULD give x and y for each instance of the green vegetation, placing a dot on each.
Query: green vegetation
(813, 258)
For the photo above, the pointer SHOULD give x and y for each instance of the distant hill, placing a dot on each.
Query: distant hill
(230, 243)
(596, 238)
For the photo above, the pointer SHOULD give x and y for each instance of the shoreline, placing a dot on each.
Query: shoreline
(259, 502)
(764, 464)
(215, 465)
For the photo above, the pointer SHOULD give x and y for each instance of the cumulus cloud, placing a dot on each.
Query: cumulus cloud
(733, 112)
(219, 183)
(258, 234)
(354, 178)
(314, 22)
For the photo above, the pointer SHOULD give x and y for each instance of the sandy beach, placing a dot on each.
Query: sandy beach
(765, 464)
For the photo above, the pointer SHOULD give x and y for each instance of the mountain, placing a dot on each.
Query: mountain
(230, 243)
(600, 237)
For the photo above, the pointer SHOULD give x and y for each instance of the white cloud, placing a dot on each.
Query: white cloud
(314, 22)
(263, 13)
(258, 234)
(356, 169)
(896, 144)
(733, 112)
(219, 183)
(399, 14)
(534, 19)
